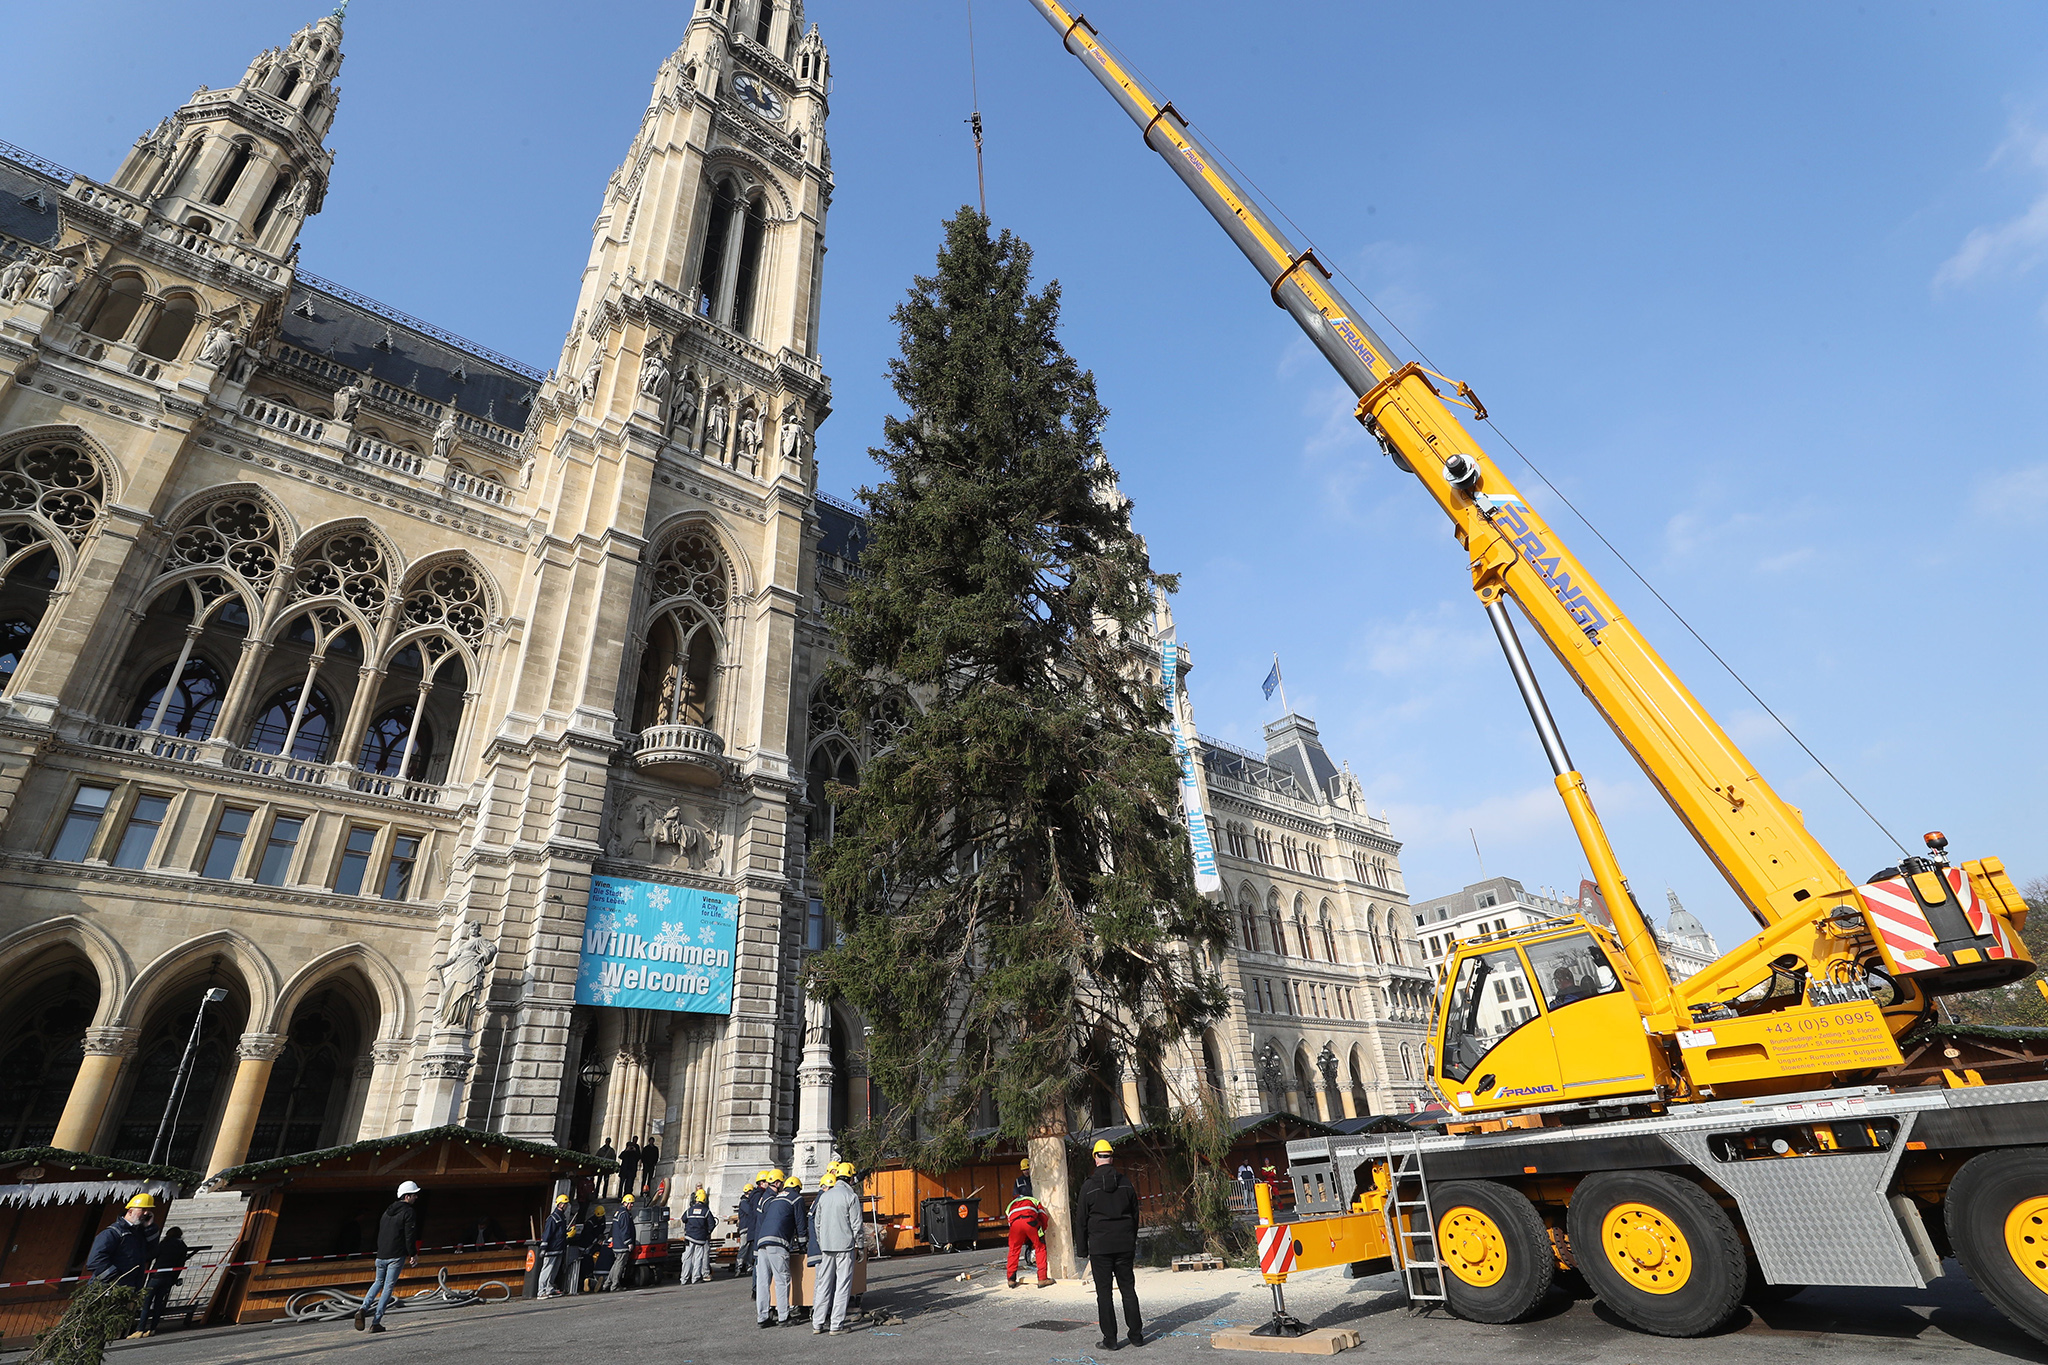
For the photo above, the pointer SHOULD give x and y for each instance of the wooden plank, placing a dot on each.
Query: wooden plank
(1324, 1341)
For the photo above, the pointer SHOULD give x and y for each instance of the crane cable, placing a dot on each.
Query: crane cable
(974, 86)
(1337, 265)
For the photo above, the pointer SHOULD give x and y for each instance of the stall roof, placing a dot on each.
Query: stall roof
(1241, 1127)
(466, 1156)
(71, 1177)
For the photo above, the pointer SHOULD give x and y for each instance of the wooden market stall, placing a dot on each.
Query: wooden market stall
(312, 1218)
(52, 1204)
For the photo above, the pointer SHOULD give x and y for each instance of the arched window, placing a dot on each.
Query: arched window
(310, 735)
(1329, 935)
(1372, 933)
(392, 741)
(192, 707)
(1407, 1063)
(717, 231)
(285, 89)
(173, 326)
(1273, 924)
(1248, 913)
(117, 309)
(764, 22)
(43, 1049)
(347, 564)
(239, 535)
(729, 274)
(29, 571)
(238, 161)
(832, 762)
(14, 637)
(279, 188)
(1301, 938)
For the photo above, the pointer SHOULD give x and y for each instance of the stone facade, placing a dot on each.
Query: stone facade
(339, 652)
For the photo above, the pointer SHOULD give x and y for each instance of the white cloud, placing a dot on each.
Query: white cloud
(2014, 247)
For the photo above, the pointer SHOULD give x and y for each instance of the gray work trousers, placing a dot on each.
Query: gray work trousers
(621, 1258)
(696, 1261)
(835, 1286)
(550, 1272)
(572, 1263)
(771, 1272)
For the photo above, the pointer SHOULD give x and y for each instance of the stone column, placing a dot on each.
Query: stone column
(814, 1096)
(387, 1079)
(258, 1053)
(85, 1110)
(444, 1075)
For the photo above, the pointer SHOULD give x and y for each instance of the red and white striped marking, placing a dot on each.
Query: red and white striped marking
(1276, 1249)
(1908, 937)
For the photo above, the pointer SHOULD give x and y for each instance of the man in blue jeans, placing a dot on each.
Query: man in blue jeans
(398, 1244)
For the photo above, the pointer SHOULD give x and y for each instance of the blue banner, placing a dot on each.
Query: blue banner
(1181, 725)
(650, 946)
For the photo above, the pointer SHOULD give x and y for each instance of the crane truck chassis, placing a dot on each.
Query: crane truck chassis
(1679, 1145)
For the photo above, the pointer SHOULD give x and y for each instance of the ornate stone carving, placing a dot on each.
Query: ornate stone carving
(16, 278)
(444, 435)
(217, 346)
(654, 370)
(749, 443)
(260, 1047)
(464, 974)
(55, 283)
(446, 1068)
(347, 399)
(390, 1051)
(683, 415)
(111, 1042)
(666, 833)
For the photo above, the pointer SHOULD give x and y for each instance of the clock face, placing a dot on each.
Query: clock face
(757, 95)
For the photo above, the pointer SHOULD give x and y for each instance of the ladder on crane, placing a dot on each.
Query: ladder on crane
(1411, 1224)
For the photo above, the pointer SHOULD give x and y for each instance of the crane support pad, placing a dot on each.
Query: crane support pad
(1325, 1341)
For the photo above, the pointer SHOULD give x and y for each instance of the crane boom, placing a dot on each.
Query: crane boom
(1808, 908)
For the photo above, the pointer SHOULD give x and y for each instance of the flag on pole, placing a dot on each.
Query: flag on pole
(1272, 678)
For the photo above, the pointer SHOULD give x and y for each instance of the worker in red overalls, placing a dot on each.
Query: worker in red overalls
(1027, 1227)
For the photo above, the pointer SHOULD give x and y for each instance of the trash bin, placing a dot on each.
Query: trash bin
(951, 1224)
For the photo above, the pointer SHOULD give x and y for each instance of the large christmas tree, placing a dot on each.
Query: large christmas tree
(1012, 882)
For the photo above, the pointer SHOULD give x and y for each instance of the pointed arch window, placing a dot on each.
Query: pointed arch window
(764, 22)
(1273, 924)
(831, 762)
(191, 707)
(172, 328)
(310, 727)
(231, 174)
(117, 308)
(1248, 915)
(393, 742)
(728, 278)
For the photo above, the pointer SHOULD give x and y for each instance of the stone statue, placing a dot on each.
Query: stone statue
(588, 385)
(715, 421)
(15, 279)
(654, 373)
(464, 974)
(444, 435)
(685, 412)
(217, 346)
(789, 439)
(55, 283)
(347, 399)
(750, 433)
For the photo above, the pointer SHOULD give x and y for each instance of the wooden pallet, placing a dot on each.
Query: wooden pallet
(1327, 1341)
(1199, 1261)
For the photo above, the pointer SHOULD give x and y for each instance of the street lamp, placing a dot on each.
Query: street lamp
(593, 1074)
(175, 1105)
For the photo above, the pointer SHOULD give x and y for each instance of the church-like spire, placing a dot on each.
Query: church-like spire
(248, 164)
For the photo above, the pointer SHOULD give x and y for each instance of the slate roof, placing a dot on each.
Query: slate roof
(28, 204)
(323, 319)
(845, 529)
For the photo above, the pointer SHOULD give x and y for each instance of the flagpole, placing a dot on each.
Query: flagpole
(1285, 709)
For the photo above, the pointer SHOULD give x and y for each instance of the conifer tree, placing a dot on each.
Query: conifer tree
(1011, 876)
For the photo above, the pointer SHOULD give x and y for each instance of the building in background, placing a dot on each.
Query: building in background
(1683, 942)
(1500, 904)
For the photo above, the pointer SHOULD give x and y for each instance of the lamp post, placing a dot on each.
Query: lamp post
(175, 1105)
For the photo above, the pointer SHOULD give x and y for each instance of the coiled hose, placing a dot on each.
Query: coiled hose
(327, 1305)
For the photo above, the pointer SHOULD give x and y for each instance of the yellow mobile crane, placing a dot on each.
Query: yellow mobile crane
(1685, 1144)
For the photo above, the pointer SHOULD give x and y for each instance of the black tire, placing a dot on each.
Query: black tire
(1531, 1263)
(1711, 1271)
(1984, 1197)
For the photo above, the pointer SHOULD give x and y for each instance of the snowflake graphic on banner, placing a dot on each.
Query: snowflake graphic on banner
(673, 936)
(614, 922)
(708, 934)
(604, 994)
(658, 897)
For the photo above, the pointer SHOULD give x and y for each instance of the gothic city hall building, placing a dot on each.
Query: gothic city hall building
(436, 731)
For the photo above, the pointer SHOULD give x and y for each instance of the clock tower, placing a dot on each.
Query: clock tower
(649, 733)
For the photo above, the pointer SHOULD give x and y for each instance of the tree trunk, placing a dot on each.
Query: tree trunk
(1054, 1189)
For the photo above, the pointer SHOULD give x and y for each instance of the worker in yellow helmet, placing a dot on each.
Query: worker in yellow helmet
(1106, 1232)
(554, 1248)
(122, 1251)
(748, 1217)
(1023, 1185)
(699, 1223)
(624, 1237)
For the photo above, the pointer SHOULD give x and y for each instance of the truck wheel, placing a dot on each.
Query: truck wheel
(1497, 1258)
(1998, 1223)
(1658, 1251)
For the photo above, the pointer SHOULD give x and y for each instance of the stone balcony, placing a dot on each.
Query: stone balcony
(681, 753)
(217, 757)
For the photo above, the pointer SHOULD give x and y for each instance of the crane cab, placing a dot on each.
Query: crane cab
(1541, 1016)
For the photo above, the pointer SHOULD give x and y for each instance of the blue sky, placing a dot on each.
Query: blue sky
(1760, 286)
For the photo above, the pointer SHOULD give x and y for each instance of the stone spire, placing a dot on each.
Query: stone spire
(248, 164)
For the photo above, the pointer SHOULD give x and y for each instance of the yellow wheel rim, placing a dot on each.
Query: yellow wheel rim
(1472, 1247)
(2026, 1238)
(1646, 1247)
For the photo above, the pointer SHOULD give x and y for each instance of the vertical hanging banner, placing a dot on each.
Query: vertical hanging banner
(1182, 726)
(650, 946)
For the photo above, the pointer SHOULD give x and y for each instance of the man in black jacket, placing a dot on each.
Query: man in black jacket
(1106, 1232)
(398, 1245)
(629, 1165)
(604, 1177)
(554, 1247)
